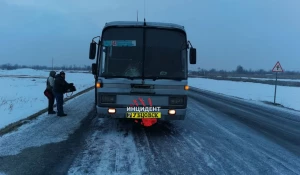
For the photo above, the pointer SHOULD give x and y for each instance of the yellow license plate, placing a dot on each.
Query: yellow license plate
(143, 115)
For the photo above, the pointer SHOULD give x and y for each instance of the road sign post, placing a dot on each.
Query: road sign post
(277, 68)
(275, 89)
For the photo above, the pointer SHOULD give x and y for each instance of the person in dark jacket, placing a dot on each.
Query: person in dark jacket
(60, 87)
(49, 92)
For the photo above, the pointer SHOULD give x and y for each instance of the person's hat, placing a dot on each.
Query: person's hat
(62, 73)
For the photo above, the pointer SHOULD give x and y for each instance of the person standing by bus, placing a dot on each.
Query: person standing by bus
(49, 92)
(60, 87)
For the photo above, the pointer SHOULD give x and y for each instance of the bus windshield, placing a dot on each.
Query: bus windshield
(123, 54)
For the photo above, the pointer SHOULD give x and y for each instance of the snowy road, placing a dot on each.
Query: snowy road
(219, 136)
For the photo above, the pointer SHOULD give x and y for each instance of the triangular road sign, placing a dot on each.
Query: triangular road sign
(277, 67)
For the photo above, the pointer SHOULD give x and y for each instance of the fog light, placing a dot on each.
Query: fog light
(186, 87)
(111, 111)
(172, 112)
(98, 85)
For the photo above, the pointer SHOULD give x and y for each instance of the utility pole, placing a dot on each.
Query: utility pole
(52, 63)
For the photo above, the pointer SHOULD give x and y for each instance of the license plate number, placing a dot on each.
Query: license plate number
(143, 115)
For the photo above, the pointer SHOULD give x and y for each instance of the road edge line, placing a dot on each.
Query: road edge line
(15, 125)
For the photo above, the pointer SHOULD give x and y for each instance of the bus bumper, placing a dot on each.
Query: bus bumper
(102, 112)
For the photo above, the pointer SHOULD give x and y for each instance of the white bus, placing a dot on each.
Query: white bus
(141, 70)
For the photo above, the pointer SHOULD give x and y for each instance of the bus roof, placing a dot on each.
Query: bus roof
(150, 24)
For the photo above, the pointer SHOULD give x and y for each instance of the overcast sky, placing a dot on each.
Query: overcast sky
(253, 33)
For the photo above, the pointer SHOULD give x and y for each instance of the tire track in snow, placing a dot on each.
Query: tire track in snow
(170, 153)
(208, 134)
(110, 150)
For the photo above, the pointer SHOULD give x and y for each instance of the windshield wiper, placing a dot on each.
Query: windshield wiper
(168, 78)
(127, 77)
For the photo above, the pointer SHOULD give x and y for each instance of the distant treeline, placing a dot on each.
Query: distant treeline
(239, 71)
(38, 67)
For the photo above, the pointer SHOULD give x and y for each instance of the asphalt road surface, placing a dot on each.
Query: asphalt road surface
(220, 135)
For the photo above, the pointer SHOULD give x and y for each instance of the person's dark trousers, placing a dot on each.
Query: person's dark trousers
(49, 94)
(59, 104)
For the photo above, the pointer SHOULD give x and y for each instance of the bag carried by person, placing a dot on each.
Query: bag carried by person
(47, 92)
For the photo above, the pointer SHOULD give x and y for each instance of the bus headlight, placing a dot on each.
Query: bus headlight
(172, 112)
(176, 100)
(108, 99)
(111, 110)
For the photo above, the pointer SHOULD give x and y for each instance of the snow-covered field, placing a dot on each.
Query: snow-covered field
(265, 79)
(21, 97)
(286, 96)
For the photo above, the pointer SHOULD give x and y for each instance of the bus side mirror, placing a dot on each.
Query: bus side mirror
(94, 68)
(92, 50)
(193, 56)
